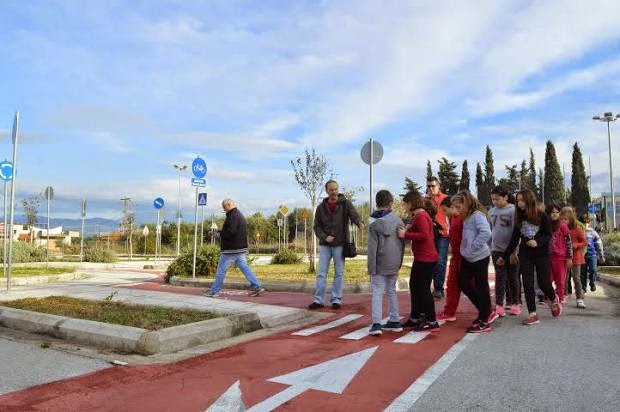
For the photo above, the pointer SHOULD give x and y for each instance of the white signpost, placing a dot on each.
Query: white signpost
(199, 170)
(158, 204)
(371, 153)
(49, 194)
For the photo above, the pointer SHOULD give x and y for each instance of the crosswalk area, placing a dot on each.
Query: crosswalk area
(361, 333)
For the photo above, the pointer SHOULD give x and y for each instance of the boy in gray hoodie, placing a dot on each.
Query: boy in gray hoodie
(385, 257)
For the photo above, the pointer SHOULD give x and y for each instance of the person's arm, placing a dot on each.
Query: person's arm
(318, 225)
(580, 240)
(231, 226)
(598, 245)
(483, 229)
(353, 215)
(514, 241)
(373, 243)
(568, 243)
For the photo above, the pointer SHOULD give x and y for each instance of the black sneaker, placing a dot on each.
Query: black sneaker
(479, 327)
(256, 292)
(427, 327)
(593, 288)
(315, 305)
(411, 323)
(392, 326)
(336, 305)
(375, 329)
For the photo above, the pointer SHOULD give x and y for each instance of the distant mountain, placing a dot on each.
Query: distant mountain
(91, 226)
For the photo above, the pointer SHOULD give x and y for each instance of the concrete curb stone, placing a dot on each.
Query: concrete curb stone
(610, 280)
(37, 280)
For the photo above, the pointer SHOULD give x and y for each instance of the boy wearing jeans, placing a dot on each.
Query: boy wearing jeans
(385, 257)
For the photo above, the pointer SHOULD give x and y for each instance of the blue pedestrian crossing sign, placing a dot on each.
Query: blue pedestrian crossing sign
(6, 170)
(199, 168)
(202, 199)
(594, 208)
(158, 203)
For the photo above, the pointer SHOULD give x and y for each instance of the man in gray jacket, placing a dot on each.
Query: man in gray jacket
(385, 257)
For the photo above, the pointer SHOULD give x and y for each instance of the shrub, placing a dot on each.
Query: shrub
(24, 252)
(206, 263)
(100, 255)
(611, 247)
(285, 257)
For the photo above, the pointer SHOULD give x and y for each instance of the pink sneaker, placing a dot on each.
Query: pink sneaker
(531, 320)
(492, 317)
(501, 312)
(447, 318)
(515, 310)
(556, 307)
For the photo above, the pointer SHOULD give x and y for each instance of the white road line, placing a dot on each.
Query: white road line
(406, 400)
(412, 337)
(333, 324)
(360, 333)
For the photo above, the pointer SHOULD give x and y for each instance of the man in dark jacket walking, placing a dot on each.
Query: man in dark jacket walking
(234, 248)
(331, 226)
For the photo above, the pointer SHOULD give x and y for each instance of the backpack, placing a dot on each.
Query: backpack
(436, 232)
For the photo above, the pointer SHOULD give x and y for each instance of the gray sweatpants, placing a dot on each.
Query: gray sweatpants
(379, 284)
(575, 272)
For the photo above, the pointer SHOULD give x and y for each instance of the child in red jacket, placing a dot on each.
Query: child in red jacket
(453, 292)
(579, 241)
(561, 250)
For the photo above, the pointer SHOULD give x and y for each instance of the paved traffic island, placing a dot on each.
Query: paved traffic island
(126, 328)
(35, 275)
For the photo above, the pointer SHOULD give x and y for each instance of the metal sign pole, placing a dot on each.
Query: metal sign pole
(157, 238)
(47, 251)
(4, 231)
(82, 232)
(12, 206)
(306, 236)
(195, 234)
(202, 225)
(371, 162)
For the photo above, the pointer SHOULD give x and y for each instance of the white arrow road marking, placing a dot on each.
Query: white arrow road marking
(333, 324)
(406, 400)
(412, 337)
(230, 401)
(332, 376)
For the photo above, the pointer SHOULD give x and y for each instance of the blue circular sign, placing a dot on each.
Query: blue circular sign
(199, 168)
(6, 170)
(158, 203)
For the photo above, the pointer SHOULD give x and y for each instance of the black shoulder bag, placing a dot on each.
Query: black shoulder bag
(348, 248)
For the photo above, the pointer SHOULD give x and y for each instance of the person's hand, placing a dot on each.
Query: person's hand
(408, 226)
(569, 263)
(401, 233)
(500, 261)
(532, 243)
(362, 226)
(602, 260)
(329, 239)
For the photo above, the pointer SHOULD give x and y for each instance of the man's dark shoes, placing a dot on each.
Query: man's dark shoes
(427, 327)
(315, 305)
(412, 323)
(336, 306)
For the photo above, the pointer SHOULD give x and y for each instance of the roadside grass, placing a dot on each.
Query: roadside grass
(354, 271)
(34, 271)
(610, 270)
(146, 317)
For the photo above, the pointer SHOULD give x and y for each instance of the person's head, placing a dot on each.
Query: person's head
(447, 208)
(384, 199)
(553, 211)
(466, 204)
(331, 188)
(228, 204)
(527, 207)
(568, 216)
(413, 200)
(499, 196)
(433, 186)
(585, 219)
(430, 208)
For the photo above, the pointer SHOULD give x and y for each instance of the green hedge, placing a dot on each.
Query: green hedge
(206, 263)
(285, 257)
(24, 252)
(100, 256)
(611, 246)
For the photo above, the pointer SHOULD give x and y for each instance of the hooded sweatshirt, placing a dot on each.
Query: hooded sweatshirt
(476, 236)
(385, 249)
(561, 244)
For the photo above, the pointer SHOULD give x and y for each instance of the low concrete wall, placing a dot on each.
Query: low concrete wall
(127, 338)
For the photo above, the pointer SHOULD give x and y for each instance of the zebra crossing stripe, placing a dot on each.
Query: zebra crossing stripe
(412, 337)
(330, 325)
(360, 333)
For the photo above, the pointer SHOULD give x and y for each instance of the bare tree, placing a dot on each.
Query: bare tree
(310, 171)
(31, 209)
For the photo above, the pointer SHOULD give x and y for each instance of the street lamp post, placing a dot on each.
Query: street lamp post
(180, 169)
(609, 117)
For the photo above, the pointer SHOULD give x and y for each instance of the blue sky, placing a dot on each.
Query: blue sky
(113, 93)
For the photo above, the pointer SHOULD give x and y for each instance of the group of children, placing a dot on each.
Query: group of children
(532, 247)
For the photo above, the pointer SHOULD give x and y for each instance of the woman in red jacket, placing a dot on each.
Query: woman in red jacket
(579, 241)
(425, 257)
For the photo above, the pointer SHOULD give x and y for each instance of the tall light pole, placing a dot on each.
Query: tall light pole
(609, 117)
(180, 169)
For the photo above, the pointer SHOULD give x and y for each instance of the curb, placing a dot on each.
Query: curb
(303, 286)
(128, 338)
(38, 280)
(610, 280)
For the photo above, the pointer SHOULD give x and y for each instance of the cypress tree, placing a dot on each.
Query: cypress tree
(554, 180)
(531, 174)
(448, 177)
(579, 191)
(511, 181)
(480, 189)
(523, 178)
(489, 170)
(411, 186)
(429, 170)
(464, 183)
(540, 188)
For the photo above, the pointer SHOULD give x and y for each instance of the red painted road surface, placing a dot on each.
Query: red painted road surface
(194, 384)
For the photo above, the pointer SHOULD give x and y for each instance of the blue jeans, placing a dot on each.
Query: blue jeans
(592, 264)
(439, 276)
(326, 253)
(226, 260)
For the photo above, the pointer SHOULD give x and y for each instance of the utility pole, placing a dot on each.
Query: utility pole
(180, 169)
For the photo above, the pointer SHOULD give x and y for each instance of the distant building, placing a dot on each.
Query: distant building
(38, 236)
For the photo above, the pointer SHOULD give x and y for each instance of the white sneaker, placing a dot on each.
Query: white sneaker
(581, 304)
